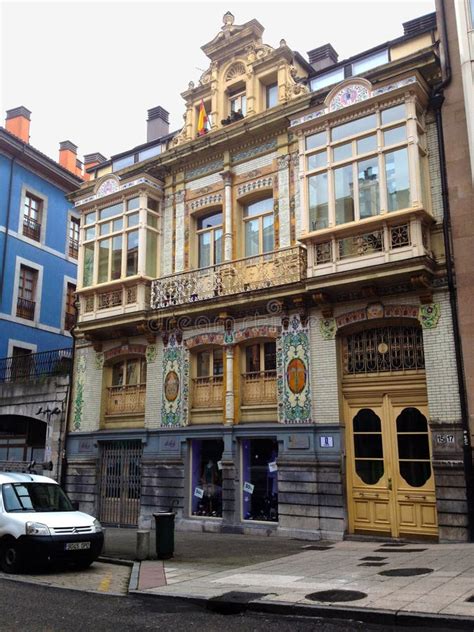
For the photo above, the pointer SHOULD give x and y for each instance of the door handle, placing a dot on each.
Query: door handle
(390, 483)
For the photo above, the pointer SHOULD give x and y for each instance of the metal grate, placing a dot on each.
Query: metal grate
(120, 483)
(384, 349)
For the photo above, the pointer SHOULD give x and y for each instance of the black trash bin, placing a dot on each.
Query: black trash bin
(164, 523)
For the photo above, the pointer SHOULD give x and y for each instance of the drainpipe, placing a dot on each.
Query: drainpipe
(7, 226)
(436, 102)
(69, 401)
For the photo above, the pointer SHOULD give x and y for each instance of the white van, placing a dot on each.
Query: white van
(38, 523)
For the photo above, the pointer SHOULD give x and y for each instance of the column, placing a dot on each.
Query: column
(229, 385)
(167, 243)
(228, 249)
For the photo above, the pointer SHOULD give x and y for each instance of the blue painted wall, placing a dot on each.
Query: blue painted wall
(47, 332)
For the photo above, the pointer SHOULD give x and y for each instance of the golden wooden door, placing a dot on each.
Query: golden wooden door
(390, 477)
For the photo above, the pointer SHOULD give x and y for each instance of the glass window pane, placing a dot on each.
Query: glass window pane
(315, 161)
(243, 104)
(413, 446)
(206, 478)
(218, 362)
(252, 358)
(133, 203)
(372, 61)
(327, 79)
(369, 143)
(104, 248)
(366, 421)
(398, 182)
(262, 503)
(121, 163)
(354, 127)
(89, 233)
(344, 190)
(117, 374)
(132, 371)
(132, 220)
(415, 473)
(316, 140)
(152, 204)
(269, 350)
(104, 229)
(204, 254)
(151, 253)
(90, 218)
(204, 364)
(149, 153)
(218, 246)
(152, 220)
(393, 114)
(88, 273)
(368, 446)
(257, 208)
(210, 220)
(110, 211)
(341, 152)
(318, 201)
(116, 271)
(369, 471)
(251, 237)
(268, 233)
(411, 420)
(368, 175)
(272, 95)
(395, 135)
(117, 224)
(132, 253)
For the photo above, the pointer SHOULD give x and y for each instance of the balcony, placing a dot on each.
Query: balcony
(208, 392)
(73, 249)
(280, 267)
(31, 228)
(32, 366)
(126, 400)
(25, 309)
(385, 243)
(115, 300)
(259, 389)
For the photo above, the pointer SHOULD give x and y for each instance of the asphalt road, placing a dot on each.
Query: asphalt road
(35, 608)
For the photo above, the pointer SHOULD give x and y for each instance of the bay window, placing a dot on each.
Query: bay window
(360, 168)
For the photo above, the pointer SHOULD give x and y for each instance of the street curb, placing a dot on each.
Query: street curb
(365, 615)
(115, 560)
(134, 578)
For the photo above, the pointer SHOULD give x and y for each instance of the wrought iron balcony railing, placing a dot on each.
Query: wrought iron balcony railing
(31, 228)
(25, 309)
(128, 399)
(272, 269)
(73, 248)
(31, 366)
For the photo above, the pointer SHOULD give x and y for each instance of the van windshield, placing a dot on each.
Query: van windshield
(35, 497)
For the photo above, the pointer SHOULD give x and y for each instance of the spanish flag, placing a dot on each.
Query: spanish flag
(202, 120)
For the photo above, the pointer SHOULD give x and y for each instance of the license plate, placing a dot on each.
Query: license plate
(77, 546)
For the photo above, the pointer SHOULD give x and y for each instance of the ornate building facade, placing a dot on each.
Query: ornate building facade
(265, 339)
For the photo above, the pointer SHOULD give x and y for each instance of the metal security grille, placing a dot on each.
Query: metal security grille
(383, 349)
(120, 483)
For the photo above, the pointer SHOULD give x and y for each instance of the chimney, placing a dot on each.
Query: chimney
(68, 156)
(18, 122)
(420, 25)
(91, 160)
(322, 57)
(157, 123)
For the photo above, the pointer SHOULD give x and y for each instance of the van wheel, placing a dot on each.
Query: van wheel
(10, 557)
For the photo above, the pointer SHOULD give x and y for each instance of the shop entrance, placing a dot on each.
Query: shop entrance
(391, 488)
(120, 483)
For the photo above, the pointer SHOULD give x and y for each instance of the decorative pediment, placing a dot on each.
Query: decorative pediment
(347, 94)
(107, 186)
(236, 70)
(231, 34)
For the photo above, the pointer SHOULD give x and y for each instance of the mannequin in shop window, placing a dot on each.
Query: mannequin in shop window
(211, 502)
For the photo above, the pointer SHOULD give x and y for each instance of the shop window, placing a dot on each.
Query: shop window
(206, 478)
(260, 480)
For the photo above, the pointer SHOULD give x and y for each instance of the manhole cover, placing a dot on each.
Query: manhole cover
(336, 595)
(316, 547)
(406, 572)
(400, 550)
(373, 564)
(372, 558)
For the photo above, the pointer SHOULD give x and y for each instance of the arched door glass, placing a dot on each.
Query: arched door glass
(413, 447)
(368, 450)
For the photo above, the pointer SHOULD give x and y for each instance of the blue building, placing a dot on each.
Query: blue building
(39, 243)
(39, 235)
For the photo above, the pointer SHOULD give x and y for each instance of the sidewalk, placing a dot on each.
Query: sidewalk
(432, 582)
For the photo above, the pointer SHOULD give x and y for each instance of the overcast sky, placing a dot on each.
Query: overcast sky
(89, 71)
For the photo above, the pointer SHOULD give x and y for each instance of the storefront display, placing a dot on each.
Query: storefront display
(206, 479)
(260, 480)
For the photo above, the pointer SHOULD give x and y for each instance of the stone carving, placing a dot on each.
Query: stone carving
(429, 315)
(254, 185)
(205, 201)
(236, 70)
(151, 352)
(348, 95)
(108, 186)
(283, 161)
(99, 361)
